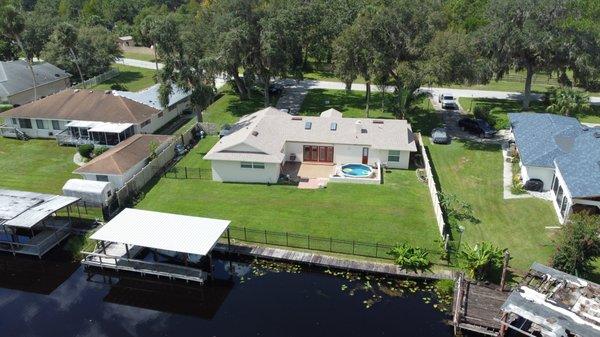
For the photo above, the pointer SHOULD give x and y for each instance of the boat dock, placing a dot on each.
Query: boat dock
(326, 261)
(477, 307)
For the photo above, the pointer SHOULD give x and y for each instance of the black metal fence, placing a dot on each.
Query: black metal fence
(184, 172)
(311, 242)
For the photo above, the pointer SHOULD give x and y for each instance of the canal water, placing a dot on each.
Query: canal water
(54, 297)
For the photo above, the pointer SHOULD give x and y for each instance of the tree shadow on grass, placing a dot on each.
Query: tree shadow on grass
(127, 76)
(239, 108)
(479, 145)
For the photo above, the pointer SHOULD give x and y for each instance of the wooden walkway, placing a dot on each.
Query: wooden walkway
(327, 261)
(477, 307)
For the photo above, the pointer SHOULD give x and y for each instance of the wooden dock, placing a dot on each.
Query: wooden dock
(327, 261)
(477, 307)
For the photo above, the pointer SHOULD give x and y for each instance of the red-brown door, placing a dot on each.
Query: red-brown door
(365, 155)
(322, 154)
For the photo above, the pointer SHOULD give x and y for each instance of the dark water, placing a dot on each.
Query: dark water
(56, 298)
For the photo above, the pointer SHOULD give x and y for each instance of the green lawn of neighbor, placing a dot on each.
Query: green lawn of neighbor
(593, 116)
(351, 104)
(473, 172)
(129, 78)
(228, 108)
(35, 165)
(138, 56)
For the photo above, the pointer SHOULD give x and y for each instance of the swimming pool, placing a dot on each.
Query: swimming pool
(357, 170)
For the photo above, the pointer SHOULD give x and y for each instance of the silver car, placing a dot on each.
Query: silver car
(440, 136)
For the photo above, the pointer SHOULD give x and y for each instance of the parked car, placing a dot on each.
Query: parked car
(448, 102)
(534, 185)
(477, 126)
(275, 89)
(440, 136)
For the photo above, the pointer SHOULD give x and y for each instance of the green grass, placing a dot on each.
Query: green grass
(35, 165)
(592, 116)
(193, 159)
(139, 56)
(396, 211)
(351, 104)
(129, 78)
(229, 107)
(473, 172)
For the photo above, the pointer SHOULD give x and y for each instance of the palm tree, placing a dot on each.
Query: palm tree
(12, 25)
(567, 101)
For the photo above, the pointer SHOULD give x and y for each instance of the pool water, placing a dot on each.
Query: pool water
(357, 170)
(55, 297)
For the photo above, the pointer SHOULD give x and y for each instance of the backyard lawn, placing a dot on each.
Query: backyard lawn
(396, 211)
(35, 165)
(351, 104)
(129, 78)
(593, 116)
(228, 108)
(473, 172)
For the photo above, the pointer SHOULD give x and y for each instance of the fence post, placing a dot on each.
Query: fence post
(376, 249)
(287, 240)
(265, 236)
(199, 173)
(352, 247)
(245, 235)
(185, 169)
(330, 244)
(308, 240)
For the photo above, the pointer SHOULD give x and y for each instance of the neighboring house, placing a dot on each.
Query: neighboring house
(255, 148)
(87, 116)
(562, 153)
(16, 84)
(119, 164)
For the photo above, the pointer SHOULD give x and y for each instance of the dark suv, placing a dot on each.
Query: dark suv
(476, 126)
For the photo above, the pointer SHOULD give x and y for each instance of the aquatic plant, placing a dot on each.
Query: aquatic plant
(409, 257)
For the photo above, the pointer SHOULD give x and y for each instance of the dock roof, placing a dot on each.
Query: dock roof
(26, 209)
(173, 232)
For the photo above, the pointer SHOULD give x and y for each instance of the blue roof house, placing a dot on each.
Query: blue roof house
(564, 155)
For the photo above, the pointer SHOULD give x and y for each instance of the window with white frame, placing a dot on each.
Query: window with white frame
(55, 125)
(250, 165)
(394, 156)
(101, 178)
(40, 124)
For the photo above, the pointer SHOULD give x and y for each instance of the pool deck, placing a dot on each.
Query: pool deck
(304, 171)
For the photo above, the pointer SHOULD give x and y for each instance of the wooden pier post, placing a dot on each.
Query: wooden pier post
(504, 269)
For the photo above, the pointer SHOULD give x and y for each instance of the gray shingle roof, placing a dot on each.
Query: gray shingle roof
(549, 140)
(15, 76)
(149, 96)
(541, 137)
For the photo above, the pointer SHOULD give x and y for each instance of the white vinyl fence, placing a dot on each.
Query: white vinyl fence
(112, 73)
(433, 192)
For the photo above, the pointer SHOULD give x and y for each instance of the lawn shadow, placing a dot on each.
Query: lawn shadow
(239, 108)
(478, 145)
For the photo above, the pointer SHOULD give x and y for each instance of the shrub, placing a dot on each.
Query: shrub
(578, 244)
(118, 86)
(100, 150)
(480, 111)
(480, 260)
(567, 101)
(498, 118)
(517, 185)
(409, 257)
(85, 150)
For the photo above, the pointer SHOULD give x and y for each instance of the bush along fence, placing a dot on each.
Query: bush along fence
(433, 191)
(178, 172)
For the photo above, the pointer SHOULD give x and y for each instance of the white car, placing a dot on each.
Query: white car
(448, 102)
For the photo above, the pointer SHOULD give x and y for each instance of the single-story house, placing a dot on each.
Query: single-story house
(564, 155)
(76, 116)
(257, 146)
(16, 83)
(120, 163)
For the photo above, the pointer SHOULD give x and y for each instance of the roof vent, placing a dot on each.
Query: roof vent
(296, 118)
(377, 121)
(307, 125)
(255, 133)
(585, 128)
(333, 126)
(597, 134)
(76, 90)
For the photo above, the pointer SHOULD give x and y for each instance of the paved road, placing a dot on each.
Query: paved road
(313, 84)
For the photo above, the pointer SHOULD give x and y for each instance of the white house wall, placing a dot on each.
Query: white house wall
(116, 180)
(544, 174)
(168, 115)
(231, 171)
(344, 154)
(34, 132)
